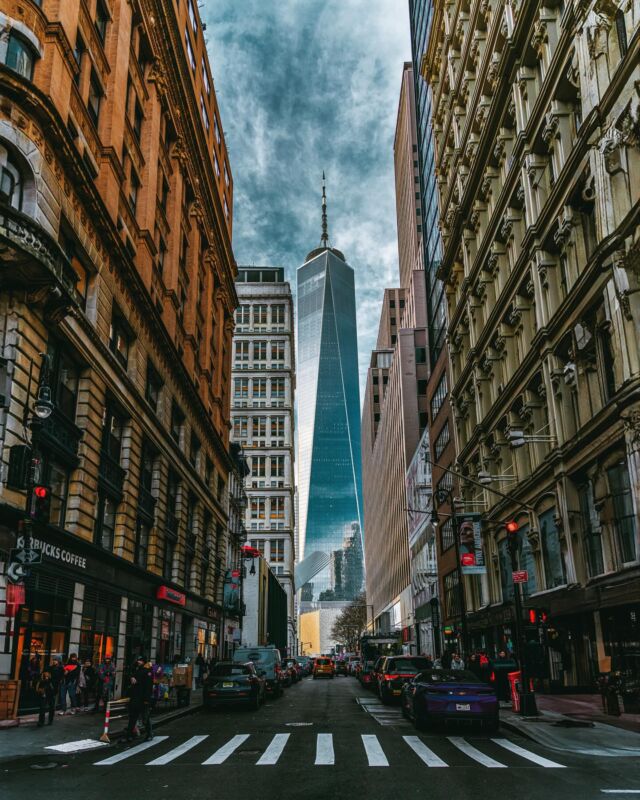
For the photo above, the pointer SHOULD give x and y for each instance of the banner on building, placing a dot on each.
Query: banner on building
(471, 552)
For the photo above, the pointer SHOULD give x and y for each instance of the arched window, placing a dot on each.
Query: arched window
(21, 56)
(11, 183)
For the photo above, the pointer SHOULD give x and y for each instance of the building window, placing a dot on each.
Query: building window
(240, 428)
(102, 20)
(451, 595)
(119, 337)
(257, 508)
(446, 534)
(177, 421)
(277, 508)
(278, 314)
(56, 476)
(278, 388)
(259, 388)
(277, 351)
(216, 165)
(422, 387)
(592, 533)
(277, 427)
(138, 118)
(95, 98)
(216, 128)
(554, 570)
(190, 56)
(258, 544)
(624, 522)
(260, 315)
(241, 388)
(134, 187)
(169, 557)
(227, 180)
(226, 207)
(194, 450)
(242, 351)
(205, 115)
(259, 467)
(64, 380)
(277, 466)
(442, 440)
(11, 183)
(153, 386)
(205, 78)
(78, 52)
(439, 396)
(421, 355)
(259, 351)
(192, 16)
(21, 56)
(112, 434)
(277, 550)
(243, 315)
(259, 428)
(172, 503)
(106, 521)
(143, 532)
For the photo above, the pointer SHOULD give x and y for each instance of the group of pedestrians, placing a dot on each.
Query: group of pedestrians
(81, 683)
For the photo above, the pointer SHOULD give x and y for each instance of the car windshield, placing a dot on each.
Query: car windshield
(222, 670)
(449, 676)
(323, 661)
(409, 665)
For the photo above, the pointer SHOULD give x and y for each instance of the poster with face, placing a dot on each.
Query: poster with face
(471, 552)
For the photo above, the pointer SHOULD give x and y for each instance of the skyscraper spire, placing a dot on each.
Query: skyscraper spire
(324, 239)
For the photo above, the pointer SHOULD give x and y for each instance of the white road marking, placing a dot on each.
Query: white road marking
(76, 747)
(221, 755)
(274, 751)
(472, 752)
(132, 751)
(324, 750)
(423, 752)
(177, 751)
(520, 751)
(375, 754)
(620, 791)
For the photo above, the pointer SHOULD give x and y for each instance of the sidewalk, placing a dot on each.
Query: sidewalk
(575, 723)
(27, 740)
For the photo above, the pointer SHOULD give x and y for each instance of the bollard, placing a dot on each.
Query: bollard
(118, 706)
(105, 733)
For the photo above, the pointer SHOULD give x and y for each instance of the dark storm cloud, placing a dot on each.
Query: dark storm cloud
(307, 85)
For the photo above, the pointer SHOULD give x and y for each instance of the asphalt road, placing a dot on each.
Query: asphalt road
(322, 740)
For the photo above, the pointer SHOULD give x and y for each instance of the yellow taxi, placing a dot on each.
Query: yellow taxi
(323, 667)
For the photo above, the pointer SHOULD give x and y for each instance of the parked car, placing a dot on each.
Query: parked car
(353, 664)
(229, 681)
(268, 663)
(342, 668)
(449, 695)
(306, 664)
(395, 671)
(323, 668)
(294, 669)
(376, 673)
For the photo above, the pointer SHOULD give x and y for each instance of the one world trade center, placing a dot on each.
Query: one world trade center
(329, 467)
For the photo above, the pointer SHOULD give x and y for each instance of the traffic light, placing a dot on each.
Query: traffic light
(538, 616)
(41, 503)
(533, 616)
(511, 526)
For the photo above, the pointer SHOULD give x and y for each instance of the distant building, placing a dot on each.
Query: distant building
(329, 423)
(262, 418)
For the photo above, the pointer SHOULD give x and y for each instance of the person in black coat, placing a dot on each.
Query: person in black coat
(46, 692)
(140, 697)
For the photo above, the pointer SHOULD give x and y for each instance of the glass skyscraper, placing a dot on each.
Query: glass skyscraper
(329, 479)
(420, 15)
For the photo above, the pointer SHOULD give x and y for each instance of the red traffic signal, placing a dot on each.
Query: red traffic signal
(533, 616)
(41, 503)
(511, 526)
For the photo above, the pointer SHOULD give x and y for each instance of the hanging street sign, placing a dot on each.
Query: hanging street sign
(520, 576)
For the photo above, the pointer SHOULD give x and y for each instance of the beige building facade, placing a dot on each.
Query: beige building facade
(536, 118)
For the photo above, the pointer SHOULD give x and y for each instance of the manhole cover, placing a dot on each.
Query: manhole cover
(49, 765)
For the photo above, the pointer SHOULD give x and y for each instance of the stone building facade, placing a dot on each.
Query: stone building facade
(536, 121)
(116, 262)
(263, 420)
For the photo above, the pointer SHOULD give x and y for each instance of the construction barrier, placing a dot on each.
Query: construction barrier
(116, 709)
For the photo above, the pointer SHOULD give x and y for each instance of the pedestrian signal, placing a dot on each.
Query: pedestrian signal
(41, 503)
(511, 526)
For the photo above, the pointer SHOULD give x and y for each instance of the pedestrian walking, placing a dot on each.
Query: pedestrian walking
(87, 683)
(46, 692)
(105, 682)
(69, 684)
(475, 666)
(140, 697)
(456, 661)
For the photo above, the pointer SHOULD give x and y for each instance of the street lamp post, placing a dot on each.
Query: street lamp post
(528, 706)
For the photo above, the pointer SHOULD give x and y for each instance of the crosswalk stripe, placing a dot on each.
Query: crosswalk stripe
(324, 750)
(472, 752)
(177, 751)
(223, 753)
(423, 752)
(274, 751)
(132, 751)
(520, 751)
(375, 753)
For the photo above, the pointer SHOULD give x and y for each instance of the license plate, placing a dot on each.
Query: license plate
(397, 691)
(227, 685)
(463, 706)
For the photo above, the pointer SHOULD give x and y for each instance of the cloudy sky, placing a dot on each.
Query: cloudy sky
(306, 86)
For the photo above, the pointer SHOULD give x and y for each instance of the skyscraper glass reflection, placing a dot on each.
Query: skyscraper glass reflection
(329, 479)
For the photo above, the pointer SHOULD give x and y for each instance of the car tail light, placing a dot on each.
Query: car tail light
(492, 677)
